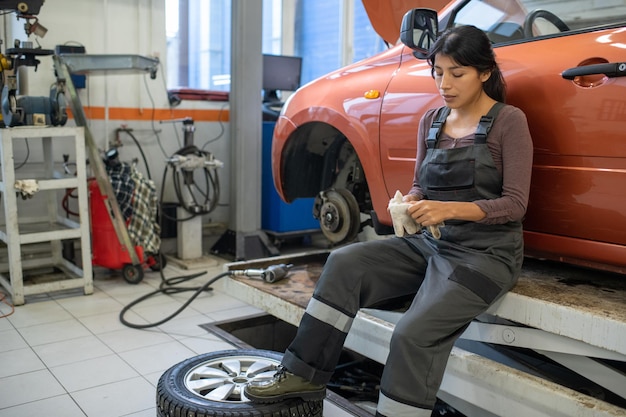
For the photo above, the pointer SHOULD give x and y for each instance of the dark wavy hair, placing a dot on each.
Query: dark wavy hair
(469, 46)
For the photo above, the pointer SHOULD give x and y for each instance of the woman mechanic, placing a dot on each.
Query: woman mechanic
(475, 182)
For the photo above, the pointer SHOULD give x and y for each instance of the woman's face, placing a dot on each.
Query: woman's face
(460, 86)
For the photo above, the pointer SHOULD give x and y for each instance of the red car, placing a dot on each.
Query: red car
(349, 138)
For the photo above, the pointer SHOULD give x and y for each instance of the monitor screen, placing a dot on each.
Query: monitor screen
(280, 73)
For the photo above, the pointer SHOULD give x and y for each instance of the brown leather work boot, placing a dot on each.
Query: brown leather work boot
(282, 386)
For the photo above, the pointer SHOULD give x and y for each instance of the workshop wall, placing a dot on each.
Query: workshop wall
(133, 101)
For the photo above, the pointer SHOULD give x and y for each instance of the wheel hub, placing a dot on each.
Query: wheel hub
(223, 379)
(331, 220)
(338, 214)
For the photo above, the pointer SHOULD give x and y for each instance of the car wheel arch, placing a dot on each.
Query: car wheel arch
(316, 158)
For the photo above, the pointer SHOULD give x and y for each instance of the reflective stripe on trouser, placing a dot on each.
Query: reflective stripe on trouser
(329, 315)
(321, 340)
(389, 407)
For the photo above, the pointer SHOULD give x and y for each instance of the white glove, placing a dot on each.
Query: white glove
(27, 188)
(402, 222)
(434, 230)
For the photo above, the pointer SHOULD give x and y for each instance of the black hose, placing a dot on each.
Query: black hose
(21, 164)
(143, 156)
(162, 213)
(167, 288)
(211, 194)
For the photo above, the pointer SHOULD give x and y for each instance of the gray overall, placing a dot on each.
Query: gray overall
(454, 279)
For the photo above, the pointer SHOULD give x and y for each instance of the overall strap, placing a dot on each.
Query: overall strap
(486, 122)
(435, 127)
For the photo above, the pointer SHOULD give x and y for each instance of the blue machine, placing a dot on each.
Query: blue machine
(276, 215)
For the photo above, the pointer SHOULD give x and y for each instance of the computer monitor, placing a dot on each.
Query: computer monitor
(280, 73)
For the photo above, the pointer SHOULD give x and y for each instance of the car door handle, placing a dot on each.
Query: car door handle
(611, 69)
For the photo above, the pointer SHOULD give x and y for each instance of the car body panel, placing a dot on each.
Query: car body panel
(577, 206)
(386, 16)
(356, 117)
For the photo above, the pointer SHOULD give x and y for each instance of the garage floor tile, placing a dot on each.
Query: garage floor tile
(67, 354)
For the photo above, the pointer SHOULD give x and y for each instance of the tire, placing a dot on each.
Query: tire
(212, 384)
(133, 274)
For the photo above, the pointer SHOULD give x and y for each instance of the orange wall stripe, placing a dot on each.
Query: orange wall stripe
(148, 114)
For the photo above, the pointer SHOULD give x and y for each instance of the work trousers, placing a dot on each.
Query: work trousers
(451, 287)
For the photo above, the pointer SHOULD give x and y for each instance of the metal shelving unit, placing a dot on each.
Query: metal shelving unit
(53, 228)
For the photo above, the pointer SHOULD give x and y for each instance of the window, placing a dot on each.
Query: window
(198, 38)
(197, 33)
(505, 21)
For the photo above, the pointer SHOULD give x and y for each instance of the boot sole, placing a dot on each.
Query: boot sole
(305, 395)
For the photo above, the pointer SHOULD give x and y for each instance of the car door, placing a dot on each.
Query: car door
(577, 204)
(578, 129)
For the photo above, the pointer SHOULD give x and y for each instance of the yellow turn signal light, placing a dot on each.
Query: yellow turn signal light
(372, 94)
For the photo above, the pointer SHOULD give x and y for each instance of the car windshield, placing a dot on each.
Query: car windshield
(520, 20)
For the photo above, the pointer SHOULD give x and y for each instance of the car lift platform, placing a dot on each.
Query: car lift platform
(570, 315)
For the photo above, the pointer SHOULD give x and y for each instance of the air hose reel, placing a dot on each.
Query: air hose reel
(185, 163)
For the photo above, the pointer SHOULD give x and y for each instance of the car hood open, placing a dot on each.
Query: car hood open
(386, 15)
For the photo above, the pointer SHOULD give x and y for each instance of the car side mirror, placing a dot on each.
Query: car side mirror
(419, 30)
